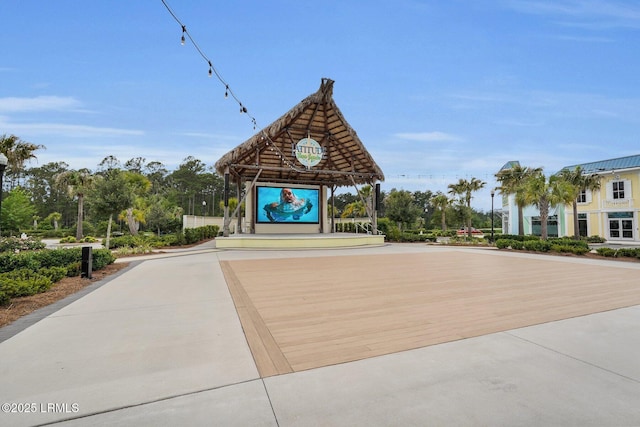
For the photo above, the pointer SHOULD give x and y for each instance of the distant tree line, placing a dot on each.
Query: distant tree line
(144, 195)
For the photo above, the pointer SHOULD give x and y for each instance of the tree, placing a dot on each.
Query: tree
(17, 152)
(139, 186)
(162, 216)
(17, 211)
(157, 174)
(187, 181)
(354, 209)
(399, 207)
(579, 182)
(54, 218)
(77, 183)
(341, 201)
(545, 194)
(512, 182)
(422, 199)
(110, 195)
(441, 202)
(464, 190)
(46, 195)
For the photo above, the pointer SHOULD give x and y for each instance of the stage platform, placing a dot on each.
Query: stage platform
(298, 241)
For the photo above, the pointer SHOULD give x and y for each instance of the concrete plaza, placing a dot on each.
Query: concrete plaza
(161, 344)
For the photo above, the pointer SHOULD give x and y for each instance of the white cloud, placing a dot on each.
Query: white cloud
(594, 14)
(39, 103)
(428, 136)
(67, 130)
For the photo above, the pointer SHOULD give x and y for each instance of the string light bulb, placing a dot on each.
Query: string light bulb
(226, 91)
(182, 39)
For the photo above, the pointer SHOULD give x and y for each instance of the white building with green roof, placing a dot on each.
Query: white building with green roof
(612, 212)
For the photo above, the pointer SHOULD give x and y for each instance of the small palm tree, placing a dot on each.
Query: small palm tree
(355, 209)
(441, 202)
(512, 182)
(546, 194)
(579, 182)
(464, 189)
(76, 183)
(54, 217)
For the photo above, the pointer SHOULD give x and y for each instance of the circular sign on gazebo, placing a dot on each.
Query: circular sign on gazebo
(309, 152)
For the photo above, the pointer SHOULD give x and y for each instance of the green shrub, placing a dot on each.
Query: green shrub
(537, 245)
(54, 273)
(518, 237)
(176, 239)
(127, 241)
(4, 298)
(572, 249)
(606, 252)
(628, 252)
(13, 244)
(74, 269)
(23, 282)
(565, 241)
(52, 258)
(101, 258)
(13, 261)
(595, 239)
(513, 244)
(68, 239)
(503, 243)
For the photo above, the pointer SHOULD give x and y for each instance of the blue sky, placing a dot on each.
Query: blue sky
(436, 90)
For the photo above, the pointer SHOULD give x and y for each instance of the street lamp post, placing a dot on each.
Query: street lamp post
(493, 193)
(204, 206)
(3, 166)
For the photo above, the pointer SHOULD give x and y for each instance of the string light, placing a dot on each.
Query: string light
(228, 92)
(212, 69)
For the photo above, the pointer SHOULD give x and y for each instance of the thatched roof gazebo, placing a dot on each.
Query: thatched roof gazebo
(310, 145)
(271, 150)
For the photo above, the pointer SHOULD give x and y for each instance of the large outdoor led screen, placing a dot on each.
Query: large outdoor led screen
(288, 205)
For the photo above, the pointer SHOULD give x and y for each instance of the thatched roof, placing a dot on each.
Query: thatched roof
(272, 150)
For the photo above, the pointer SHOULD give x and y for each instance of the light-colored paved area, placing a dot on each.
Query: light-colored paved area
(161, 344)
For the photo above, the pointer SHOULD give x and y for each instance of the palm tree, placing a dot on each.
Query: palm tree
(546, 194)
(354, 209)
(17, 152)
(464, 189)
(512, 182)
(54, 217)
(580, 182)
(442, 202)
(76, 183)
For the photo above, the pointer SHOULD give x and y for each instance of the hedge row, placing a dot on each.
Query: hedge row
(562, 245)
(619, 253)
(187, 237)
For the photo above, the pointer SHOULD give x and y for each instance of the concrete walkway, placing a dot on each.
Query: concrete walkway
(161, 345)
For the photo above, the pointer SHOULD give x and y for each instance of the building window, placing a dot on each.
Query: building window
(582, 197)
(618, 190)
(552, 226)
(620, 225)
